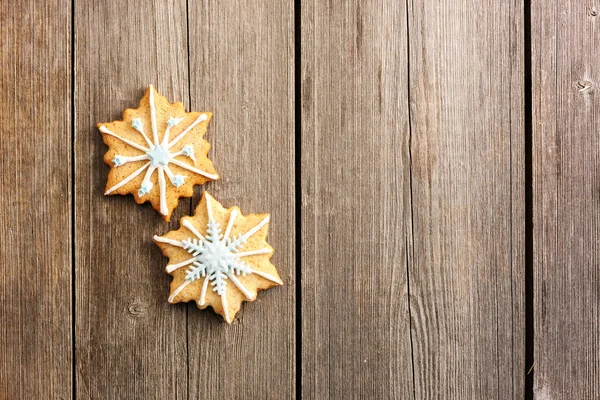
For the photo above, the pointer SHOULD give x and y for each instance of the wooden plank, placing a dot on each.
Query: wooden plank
(35, 217)
(467, 146)
(566, 211)
(241, 61)
(130, 342)
(355, 201)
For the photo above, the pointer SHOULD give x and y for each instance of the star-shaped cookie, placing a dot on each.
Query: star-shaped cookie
(157, 152)
(219, 258)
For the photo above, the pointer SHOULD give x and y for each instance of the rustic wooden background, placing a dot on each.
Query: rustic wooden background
(432, 170)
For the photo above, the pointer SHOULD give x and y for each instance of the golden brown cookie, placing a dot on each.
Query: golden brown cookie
(157, 153)
(219, 268)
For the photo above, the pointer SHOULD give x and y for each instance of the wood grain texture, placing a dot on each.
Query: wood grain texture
(355, 201)
(566, 202)
(413, 198)
(241, 63)
(35, 233)
(467, 145)
(130, 342)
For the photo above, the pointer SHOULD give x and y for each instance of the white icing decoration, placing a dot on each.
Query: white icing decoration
(120, 160)
(128, 179)
(137, 124)
(172, 242)
(202, 299)
(242, 288)
(201, 118)
(172, 267)
(225, 308)
(162, 186)
(145, 188)
(188, 150)
(267, 276)
(254, 252)
(104, 129)
(171, 122)
(187, 224)
(159, 155)
(174, 121)
(216, 257)
(195, 170)
(147, 185)
(230, 223)
(178, 180)
(178, 290)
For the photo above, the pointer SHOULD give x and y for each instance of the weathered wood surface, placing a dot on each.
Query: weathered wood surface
(412, 199)
(434, 192)
(467, 264)
(130, 342)
(35, 187)
(242, 69)
(566, 202)
(355, 201)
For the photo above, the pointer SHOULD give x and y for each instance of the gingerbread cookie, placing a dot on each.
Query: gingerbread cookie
(157, 153)
(236, 263)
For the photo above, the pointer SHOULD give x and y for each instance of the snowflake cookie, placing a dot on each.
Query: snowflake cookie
(216, 268)
(157, 153)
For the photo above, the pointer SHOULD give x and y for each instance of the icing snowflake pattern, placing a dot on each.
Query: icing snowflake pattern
(159, 156)
(216, 258)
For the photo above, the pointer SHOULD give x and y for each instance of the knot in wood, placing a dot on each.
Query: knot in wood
(584, 86)
(136, 308)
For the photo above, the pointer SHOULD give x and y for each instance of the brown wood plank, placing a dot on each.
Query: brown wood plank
(355, 201)
(467, 147)
(242, 70)
(130, 342)
(566, 207)
(35, 216)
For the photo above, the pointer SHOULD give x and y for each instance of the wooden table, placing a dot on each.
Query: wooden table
(432, 169)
